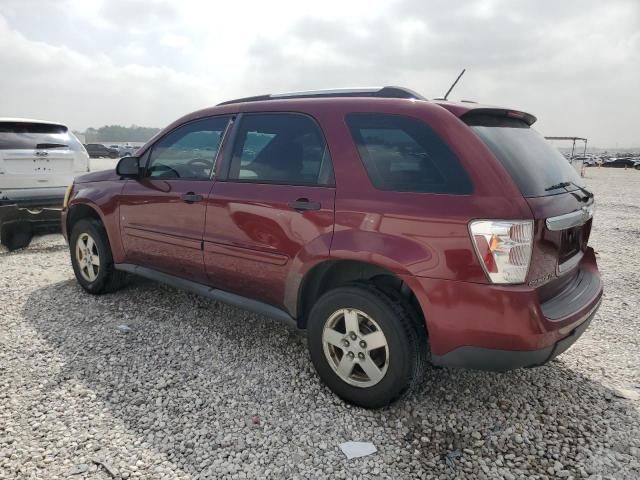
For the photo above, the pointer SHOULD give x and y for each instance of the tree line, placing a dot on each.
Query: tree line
(119, 133)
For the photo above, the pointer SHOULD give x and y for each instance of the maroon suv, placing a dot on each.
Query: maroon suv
(397, 231)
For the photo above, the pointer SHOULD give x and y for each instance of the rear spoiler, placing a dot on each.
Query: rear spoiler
(497, 117)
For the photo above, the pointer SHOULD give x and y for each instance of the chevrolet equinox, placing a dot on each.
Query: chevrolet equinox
(395, 230)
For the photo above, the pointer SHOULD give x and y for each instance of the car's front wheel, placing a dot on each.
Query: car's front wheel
(367, 345)
(91, 258)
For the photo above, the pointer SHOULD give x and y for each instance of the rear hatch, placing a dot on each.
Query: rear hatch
(561, 205)
(38, 155)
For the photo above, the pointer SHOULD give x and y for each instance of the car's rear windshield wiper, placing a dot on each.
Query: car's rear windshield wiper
(583, 190)
(557, 186)
(50, 145)
(566, 184)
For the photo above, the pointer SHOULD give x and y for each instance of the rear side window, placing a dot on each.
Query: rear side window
(403, 154)
(534, 164)
(282, 148)
(32, 135)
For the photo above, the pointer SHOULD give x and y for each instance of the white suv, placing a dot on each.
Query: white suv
(38, 160)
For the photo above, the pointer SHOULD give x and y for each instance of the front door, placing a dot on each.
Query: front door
(162, 214)
(275, 209)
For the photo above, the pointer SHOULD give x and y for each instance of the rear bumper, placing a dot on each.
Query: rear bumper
(37, 207)
(480, 358)
(33, 197)
(492, 327)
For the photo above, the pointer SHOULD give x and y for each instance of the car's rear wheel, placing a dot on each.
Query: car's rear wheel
(367, 345)
(91, 258)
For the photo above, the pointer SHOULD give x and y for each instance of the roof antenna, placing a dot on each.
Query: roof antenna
(454, 83)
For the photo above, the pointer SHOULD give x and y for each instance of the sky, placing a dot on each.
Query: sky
(575, 64)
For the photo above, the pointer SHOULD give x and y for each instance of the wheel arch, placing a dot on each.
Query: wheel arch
(333, 273)
(78, 211)
(87, 209)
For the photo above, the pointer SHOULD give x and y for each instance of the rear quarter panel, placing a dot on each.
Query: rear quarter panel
(419, 234)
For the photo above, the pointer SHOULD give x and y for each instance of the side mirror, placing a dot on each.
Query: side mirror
(128, 167)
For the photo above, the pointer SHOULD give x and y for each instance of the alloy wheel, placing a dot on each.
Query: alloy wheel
(355, 347)
(87, 257)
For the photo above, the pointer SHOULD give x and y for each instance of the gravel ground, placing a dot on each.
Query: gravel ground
(198, 389)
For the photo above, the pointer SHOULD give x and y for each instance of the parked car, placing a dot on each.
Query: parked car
(397, 231)
(128, 150)
(124, 150)
(593, 162)
(98, 150)
(38, 159)
(620, 163)
(117, 149)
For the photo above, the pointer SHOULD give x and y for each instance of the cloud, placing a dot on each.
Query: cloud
(137, 14)
(574, 64)
(58, 83)
(175, 41)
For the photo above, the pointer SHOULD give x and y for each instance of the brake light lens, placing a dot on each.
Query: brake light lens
(503, 248)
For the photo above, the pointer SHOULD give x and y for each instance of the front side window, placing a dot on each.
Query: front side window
(188, 152)
(403, 154)
(284, 148)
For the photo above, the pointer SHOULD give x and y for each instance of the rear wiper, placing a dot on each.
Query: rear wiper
(582, 189)
(50, 145)
(557, 186)
(564, 185)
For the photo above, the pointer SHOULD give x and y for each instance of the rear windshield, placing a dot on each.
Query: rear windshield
(533, 163)
(29, 136)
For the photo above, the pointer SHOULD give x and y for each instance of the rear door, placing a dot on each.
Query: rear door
(162, 214)
(561, 206)
(274, 209)
(38, 155)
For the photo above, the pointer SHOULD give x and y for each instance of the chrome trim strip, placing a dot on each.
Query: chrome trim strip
(569, 220)
(567, 265)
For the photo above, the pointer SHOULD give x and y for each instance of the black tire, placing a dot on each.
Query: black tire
(406, 340)
(15, 236)
(108, 279)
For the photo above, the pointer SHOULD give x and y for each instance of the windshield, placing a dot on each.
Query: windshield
(533, 163)
(30, 135)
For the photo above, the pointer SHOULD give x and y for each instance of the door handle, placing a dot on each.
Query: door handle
(303, 204)
(191, 197)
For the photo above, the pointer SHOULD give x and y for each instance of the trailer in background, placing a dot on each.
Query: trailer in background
(577, 162)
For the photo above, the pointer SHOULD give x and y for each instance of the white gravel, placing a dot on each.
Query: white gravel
(197, 389)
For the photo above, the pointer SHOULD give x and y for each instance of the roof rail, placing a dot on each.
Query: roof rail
(379, 92)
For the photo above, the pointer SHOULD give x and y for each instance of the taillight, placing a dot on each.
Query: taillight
(503, 248)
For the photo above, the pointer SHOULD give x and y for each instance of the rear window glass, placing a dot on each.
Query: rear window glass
(403, 154)
(534, 164)
(29, 136)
